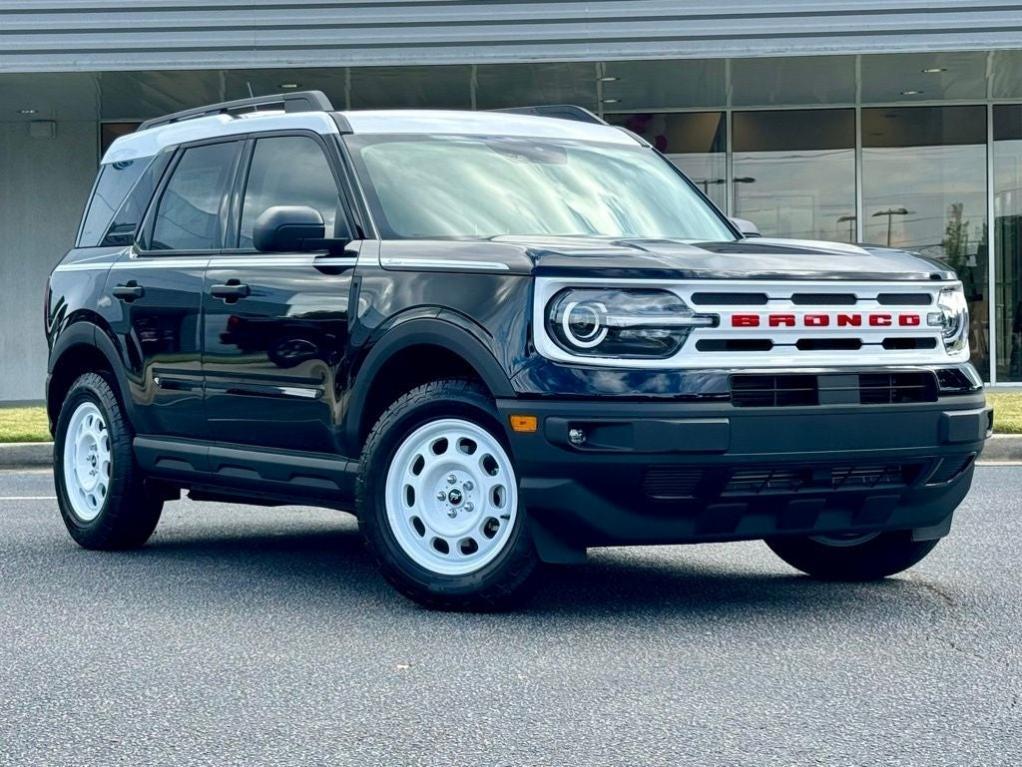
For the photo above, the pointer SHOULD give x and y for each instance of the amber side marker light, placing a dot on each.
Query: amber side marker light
(524, 424)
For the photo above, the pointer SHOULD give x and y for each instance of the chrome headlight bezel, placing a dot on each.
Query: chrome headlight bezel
(952, 317)
(729, 341)
(621, 322)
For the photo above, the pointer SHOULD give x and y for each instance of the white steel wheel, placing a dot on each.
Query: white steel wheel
(88, 461)
(451, 497)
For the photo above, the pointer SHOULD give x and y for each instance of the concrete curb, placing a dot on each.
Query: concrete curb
(1003, 447)
(28, 455)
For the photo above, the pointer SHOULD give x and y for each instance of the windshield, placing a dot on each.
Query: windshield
(429, 187)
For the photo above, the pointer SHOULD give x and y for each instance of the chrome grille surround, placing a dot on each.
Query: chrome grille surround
(782, 297)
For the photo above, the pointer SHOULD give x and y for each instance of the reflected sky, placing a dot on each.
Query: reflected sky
(436, 187)
(925, 181)
(800, 194)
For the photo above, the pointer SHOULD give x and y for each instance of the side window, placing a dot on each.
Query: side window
(115, 181)
(189, 215)
(290, 170)
(126, 220)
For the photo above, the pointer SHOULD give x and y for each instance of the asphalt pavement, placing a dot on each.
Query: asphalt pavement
(246, 636)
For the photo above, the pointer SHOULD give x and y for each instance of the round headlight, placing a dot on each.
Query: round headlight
(624, 323)
(584, 324)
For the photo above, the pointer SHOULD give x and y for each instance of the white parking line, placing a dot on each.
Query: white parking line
(28, 497)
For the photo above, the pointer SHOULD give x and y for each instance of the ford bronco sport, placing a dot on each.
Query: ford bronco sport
(499, 339)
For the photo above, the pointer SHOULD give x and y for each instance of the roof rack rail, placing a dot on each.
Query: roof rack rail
(562, 111)
(299, 101)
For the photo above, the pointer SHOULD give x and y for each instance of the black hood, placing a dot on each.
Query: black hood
(758, 258)
(750, 259)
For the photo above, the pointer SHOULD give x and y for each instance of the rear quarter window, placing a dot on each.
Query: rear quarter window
(113, 183)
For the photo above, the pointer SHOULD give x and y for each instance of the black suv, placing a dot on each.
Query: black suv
(498, 338)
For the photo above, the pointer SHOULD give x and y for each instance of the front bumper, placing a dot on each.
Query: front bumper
(677, 472)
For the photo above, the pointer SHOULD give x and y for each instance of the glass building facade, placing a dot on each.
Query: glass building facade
(914, 174)
(915, 149)
(928, 178)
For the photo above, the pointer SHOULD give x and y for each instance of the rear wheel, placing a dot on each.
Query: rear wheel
(438, 501)
(866, 557)
(100, 492)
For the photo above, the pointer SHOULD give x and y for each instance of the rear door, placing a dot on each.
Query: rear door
(276, 324)
(158, 285)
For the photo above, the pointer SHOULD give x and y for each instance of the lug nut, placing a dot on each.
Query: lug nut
(441, 495)
(452, 513)
(470, 506)
(451, 479)
(469, 485)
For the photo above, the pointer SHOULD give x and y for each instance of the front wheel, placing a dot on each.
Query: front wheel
(854, 557)
(100, 491)
(438, 501)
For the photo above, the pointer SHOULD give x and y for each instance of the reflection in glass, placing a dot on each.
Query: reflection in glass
(795, 172)
(115, 181)
(288, 170)
(694, 141)
(189, 214)
(426, 187)
(924, 189)
(1008, 226)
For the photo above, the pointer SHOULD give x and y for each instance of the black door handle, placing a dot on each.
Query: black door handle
(231, 291)
(128, 292)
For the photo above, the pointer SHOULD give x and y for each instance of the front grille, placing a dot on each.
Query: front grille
(671, 483)
(807, 390)
(828, 344)
(675, 485)
(824, 299)
(815, 323)
(768, 480)
(774, 391)
(896, 388)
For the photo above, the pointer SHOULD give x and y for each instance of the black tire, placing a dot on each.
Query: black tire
(874, 558)
(500, 584)
(128, 514)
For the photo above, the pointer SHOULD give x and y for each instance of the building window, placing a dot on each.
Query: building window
(110, 132)
(794, 172)
(924, 189)
(1008, 236)
(694, 141)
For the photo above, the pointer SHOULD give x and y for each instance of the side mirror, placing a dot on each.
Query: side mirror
(746, 227)
(289, 228)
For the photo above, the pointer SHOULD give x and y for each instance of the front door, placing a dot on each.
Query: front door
(276, 324)
(159, 285)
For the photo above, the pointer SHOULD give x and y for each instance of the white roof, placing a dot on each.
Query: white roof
(149, 142)
(483, 124)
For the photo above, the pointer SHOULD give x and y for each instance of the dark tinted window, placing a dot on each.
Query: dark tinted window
(289, 170)
(115, 181)
(122, 228)
(189, 216)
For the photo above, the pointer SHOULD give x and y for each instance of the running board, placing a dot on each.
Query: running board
(283, 473)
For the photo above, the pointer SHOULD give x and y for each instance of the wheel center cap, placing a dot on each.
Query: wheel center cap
(454, 497)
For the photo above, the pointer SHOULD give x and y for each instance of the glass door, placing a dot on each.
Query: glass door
(924, 189)
(1008, 228)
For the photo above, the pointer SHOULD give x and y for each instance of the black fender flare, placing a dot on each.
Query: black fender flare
(87, 333)
(417, 332)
